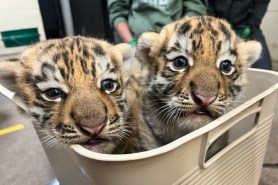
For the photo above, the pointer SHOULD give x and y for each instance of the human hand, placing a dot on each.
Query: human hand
(132, 42)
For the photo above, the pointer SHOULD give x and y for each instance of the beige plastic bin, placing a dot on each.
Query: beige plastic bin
(182, 161)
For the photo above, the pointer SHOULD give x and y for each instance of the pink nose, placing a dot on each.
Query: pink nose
(204, 100)
(94, 130)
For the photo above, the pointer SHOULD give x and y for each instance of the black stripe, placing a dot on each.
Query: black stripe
(38, 93)
(35, 115)
(184, 28)
(72, 68)
(121, 105)
(198, 31)
(13, 60)
(63, 73)
(115, 120)
(156, 68)
(185, 103)
(225, 30)
(169, 89)
(40, 78)
(77, 40)
(112, 70)
(69, 137)
(172, 49)
(72, 47)
(69, 131)
(212, 40)
(65, 56)
(177, 45)
(168, 73)
(219, 45)
(107, 67)
(46, 117)
(38, 104)
(98, 50)
(214, 32)
(46, 66)
(56, 58)
(234, 75)
(85, 52)
(84, 66)
(59, 126)
(25, 98)
(29, 79)
(238, 88)
(93, 69)
(233, 52)
(50, 46)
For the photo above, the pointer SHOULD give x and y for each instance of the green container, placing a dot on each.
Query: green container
(20, 37)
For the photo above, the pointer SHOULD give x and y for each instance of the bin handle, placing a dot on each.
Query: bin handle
(215, 133)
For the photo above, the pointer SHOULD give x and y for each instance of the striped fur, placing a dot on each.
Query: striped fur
(90, 105)
(190, 60)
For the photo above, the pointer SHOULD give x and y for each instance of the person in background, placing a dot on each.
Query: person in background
(245, 16)
(130, 18)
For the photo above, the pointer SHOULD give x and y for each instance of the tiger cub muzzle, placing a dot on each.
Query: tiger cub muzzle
(91, 117)
(204, 95)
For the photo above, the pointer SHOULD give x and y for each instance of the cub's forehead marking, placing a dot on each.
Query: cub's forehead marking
(56, 67)
(98, 50)
(51, 83)
(226, 31)
(50, 78)
(184, 28)
(193, 34)
(179, 46)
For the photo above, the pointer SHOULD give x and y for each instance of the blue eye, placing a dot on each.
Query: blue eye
(180, 63)
(108, 85)
(226, 67)
(53, 94)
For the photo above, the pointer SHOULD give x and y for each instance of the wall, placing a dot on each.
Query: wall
(18, 14)
(270, 29)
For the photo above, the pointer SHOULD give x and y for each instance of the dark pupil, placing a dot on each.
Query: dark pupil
(226, 66)
(107, 85)
(180, 63)
(54, 93)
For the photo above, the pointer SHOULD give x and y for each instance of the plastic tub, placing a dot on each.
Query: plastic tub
(20, 37)
(182, 161)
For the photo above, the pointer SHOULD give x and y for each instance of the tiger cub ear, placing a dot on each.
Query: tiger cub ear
(148, 45)
(125, 50)
(9, 72)
(126, 53)
(250, 50)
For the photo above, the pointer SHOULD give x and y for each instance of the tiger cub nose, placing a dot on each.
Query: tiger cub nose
(203, 100)
(94, 130)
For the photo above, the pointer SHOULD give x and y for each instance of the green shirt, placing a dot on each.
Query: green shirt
(152, 15)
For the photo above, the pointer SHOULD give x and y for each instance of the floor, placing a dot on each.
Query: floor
(22, 157)
(23, 161)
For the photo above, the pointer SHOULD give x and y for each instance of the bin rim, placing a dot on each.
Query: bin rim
(177, 143)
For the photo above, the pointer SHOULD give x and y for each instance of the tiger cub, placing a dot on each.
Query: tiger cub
(191, 72)
(74, 90)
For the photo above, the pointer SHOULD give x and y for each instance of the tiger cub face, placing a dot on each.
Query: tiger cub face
(194, 69)
(73, 88)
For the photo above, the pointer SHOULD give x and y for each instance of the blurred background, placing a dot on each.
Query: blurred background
(22, 159)
(59, 18)
(54, 19)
